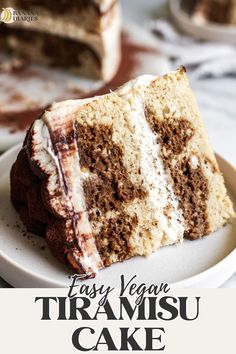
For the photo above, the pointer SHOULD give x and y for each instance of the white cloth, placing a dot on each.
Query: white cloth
(201, 58)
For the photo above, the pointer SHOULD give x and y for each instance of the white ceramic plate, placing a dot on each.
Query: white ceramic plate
(208, 262)
(208, 31)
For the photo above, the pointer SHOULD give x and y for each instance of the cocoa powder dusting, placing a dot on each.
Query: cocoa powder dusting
(21, 120)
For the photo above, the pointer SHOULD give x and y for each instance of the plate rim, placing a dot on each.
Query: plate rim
(184, 21)
(184, 283)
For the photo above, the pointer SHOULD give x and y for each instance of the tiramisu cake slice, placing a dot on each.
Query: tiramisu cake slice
(218, 11)
(115, 176)
(81, 35)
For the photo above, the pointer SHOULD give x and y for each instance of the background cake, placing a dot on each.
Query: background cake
(83, 36)
(219, 11)
(111, 177)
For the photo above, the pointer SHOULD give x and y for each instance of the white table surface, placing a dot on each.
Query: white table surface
(216, 97)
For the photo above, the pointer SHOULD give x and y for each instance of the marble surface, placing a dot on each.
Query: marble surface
(216, 98)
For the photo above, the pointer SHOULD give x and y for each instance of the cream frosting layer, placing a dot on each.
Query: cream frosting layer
(161, 197)
(62, 165)
(104, 5)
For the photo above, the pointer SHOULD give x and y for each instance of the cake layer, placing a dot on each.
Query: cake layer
(53, 50)
(120, 175)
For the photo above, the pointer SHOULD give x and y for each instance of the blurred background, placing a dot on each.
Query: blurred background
(162, 35)
(201, 35)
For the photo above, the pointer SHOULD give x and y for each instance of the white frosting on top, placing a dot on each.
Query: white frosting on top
(104, 5)
(136, 85)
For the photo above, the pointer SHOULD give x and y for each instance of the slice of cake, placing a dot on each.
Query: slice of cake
(81, 35)
(115, 176)
(218, 11)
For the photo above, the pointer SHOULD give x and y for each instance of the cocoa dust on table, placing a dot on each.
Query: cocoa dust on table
(21, 120)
